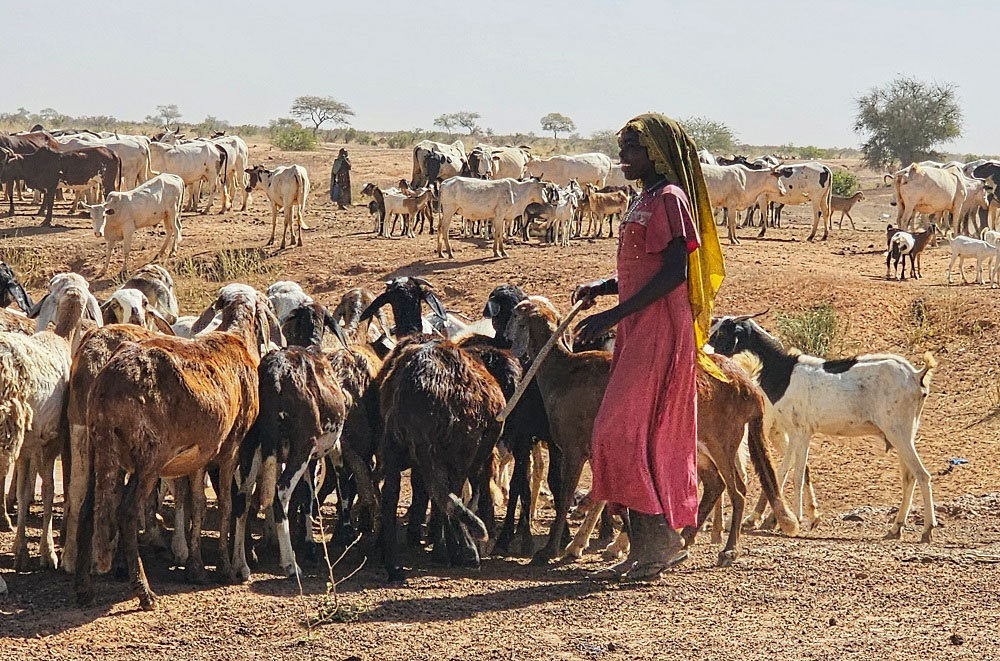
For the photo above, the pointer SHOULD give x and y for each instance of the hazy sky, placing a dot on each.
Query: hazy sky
(776, 72)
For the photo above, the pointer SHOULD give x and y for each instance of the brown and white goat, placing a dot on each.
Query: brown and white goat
(601, 206)
(168, 407)
(573, 387)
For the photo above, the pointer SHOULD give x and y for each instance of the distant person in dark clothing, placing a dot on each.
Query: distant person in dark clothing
(340, 180)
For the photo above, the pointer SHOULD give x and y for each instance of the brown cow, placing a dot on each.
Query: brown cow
(25, 143)
(44, 169)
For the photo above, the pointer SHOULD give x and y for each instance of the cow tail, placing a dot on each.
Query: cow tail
(118, 162)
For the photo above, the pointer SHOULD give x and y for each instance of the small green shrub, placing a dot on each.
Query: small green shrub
(845, 183)
(810, 152)
(293, 138)
(812, 331)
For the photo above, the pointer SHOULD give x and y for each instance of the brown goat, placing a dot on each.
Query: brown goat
(96, 349)
(573, 386)
(601, 206)
(12, 322)
(844, 206)
(168, 407)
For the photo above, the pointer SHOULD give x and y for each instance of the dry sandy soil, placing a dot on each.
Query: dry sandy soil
(837, 591)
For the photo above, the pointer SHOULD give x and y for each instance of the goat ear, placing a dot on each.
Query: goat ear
(93, 310)
(37, 307)
(374, 306)
(107, 308)
(436, 305)
(273, 326)
(205, 319)
(334, 327)
(491, 309)
(156, 319)
(18, 294)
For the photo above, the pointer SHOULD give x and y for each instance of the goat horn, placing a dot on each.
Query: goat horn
(745, 317)
(421, 281)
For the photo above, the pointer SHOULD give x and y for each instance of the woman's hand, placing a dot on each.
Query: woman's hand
(596, 325)
(589, 291)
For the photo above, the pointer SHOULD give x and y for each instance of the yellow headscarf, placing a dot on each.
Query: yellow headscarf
(675, 156)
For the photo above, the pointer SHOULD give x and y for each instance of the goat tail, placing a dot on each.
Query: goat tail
(106, 495)
(924, 376)
(15, 418)
(760, 456)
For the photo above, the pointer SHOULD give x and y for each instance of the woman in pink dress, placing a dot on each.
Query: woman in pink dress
(644, 439)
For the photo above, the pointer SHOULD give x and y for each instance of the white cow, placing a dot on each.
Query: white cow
(804, 182)
(434, 160)
(194, 162)
(616, 177)
(475, 199)
(237, 161)
(524, 193)
(736, 187)
(927, 189)
(590, 168)
(122, 213)
(287, 187)
(509, 162)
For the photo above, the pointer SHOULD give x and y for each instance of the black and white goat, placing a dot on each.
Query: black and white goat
(873, 394)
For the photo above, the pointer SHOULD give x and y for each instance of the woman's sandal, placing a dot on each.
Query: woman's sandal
(645, 572)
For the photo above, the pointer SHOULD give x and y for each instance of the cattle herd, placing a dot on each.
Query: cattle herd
(250, 397)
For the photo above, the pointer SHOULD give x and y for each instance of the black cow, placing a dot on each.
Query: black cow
(46, 168)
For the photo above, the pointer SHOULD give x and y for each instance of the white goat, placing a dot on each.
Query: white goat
(964, 247)
(34, 378)
(875, 394)
(286, 296)
(130, 306)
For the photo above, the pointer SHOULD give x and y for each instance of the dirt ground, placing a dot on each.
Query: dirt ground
(837, 591)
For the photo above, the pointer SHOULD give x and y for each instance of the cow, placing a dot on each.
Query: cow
(133, 152)
(509, 162)
(25, 143)
(433, 161)
(194, 162)
(804, 182)
(926, 189)
(736, 187)
(121, 214)
(479, 163)
(46, 168)
(287, 187)
(592, 168)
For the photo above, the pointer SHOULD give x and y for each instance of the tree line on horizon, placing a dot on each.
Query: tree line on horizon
(903, 121)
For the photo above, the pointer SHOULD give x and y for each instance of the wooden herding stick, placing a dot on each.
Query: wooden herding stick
(530, 374)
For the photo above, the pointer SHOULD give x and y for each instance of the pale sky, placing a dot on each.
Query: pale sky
(776, 72)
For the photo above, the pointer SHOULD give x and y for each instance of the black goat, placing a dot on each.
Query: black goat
(438, 405)
(12, 291)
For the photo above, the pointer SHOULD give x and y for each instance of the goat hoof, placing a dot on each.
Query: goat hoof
(892, 534)
(926, 537)
(815, 522)
(147, 600)
(290, 570)
(574, 552)
(726, 558)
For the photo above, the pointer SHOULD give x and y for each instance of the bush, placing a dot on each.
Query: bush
(811, 331)
(293, 138)
(845, 183)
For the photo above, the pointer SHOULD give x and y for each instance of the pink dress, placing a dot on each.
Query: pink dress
(644, 440)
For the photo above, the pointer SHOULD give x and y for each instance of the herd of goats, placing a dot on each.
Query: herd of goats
(142, 404)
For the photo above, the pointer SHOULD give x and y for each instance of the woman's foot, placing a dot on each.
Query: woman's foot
(661, 548)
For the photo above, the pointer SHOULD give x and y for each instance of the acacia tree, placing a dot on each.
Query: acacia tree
(557, 123)
(446, 121)
(905, 119)
(164, 115)
(709, 134)
(467, 120)
(321, 109)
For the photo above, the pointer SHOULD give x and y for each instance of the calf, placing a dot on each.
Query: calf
(287, 187)
(601, 206)
(44, 169)
(154, 202)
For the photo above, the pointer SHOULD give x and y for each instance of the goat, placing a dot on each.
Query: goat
(601, 206)
(962, 248)
(286, 296)
(879, 394)
(34, 374)
(12, 291)
(533, 323)
(378, 198)
(211, 385)
(844, 206)
(155, 282)
(438, 405)
(130, 306)
(902, 244)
